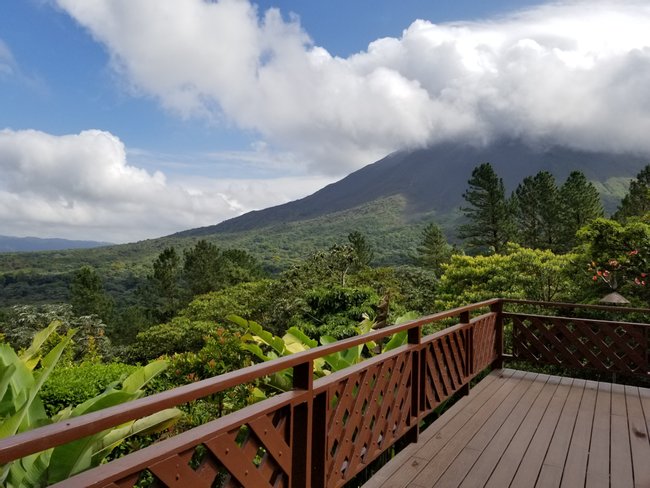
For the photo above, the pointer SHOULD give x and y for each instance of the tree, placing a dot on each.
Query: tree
(433, 250)
(207, 268)
(164, 295)
(581, 204)
(637, 201)
(617, 257)
(203, 268)
(362, 250)
(489, 214)
(520, 272)
(87, 295)
(538, 211)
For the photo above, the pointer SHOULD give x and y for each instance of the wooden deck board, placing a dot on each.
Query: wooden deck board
(520, 429)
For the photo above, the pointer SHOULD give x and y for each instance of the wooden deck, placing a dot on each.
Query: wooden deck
(524, 429)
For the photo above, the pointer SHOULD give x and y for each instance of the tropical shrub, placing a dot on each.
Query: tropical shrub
(75, 384)
(179, 335)
(520, 272)
(21, 408)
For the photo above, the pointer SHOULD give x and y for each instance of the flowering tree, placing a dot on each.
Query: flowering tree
(618, 255)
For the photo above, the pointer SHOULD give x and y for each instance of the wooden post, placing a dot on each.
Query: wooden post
(415, 338)
(498, 340)
(319, 441)
(465, 318)
(301, 434)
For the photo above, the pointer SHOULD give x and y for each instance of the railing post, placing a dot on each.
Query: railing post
(301, 434)
(498, 339)
(414, 336)
(469, 344)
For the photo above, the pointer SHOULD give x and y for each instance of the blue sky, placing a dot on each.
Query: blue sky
(128, 119)
(65, 85)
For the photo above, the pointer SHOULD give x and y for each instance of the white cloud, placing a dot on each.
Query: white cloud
(7, 63)
(573, 72)
(82, 186)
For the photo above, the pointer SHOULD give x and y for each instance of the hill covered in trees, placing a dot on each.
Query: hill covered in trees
(28, 244)
(390, 202)
(433, 180)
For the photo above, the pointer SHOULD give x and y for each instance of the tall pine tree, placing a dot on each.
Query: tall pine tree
(637, 201)
(87, 295)
(581, 204)
(538, 210)
(433, 251)
(362, 249)
(489, 225)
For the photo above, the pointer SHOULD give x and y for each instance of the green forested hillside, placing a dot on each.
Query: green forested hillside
(389, 201)
(45, 276)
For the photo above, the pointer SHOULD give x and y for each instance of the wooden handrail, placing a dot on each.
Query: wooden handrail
(584, 306)
(72, 429)
(395, 389)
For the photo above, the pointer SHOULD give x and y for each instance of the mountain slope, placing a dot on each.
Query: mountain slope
(28, 244)
(435, 178)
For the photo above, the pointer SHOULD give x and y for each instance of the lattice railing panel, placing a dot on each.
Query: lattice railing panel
(257, 453)
(366, 413)
(581, 343)
(445, 367)
(484, 341)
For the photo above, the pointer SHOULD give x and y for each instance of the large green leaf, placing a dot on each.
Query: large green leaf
(34, 409)
(295, 334)
(397, 340)
(147, 425)
(256, 350)
(32, 355)
(261, 335)
(143, 375)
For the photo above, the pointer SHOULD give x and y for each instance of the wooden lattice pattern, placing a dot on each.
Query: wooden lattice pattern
(484, 343)
(581, 343)
(257, 453)
(366, 412)
(446, 367)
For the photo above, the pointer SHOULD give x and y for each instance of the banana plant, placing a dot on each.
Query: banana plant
(21, 409)
(295, 340)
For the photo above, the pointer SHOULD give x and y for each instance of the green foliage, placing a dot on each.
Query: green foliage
(538, 211)
(580, 202)
(520, 273)
(637, 201)
(336, 310)
(74, 384)
(203, 268)
(21, 322)
(489, 225)
(221, 354)
(616, 257)
(433, 251)
(207, 268)
(179, 335)
(163, 294)
(251, 299)
(87, 295)
(363, 251)
(265, 346)
(21, 409)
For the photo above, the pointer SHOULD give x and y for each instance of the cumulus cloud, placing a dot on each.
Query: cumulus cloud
(82, 186)
(572, 72)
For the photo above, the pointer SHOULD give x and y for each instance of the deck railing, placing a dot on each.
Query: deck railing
(327, 430)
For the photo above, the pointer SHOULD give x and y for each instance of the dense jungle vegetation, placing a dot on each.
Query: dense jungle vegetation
(195, 311)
